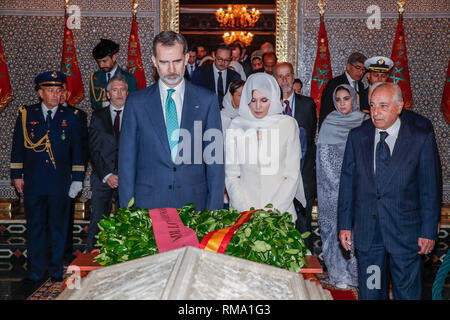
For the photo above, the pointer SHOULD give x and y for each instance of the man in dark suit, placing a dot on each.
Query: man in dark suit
(303, 109)
(389, 198)
(155, 168)
(191, 64)
(354, 72)
(104, 133)
(216, 77)
(237, 48)
(105, 54)
(47, 167)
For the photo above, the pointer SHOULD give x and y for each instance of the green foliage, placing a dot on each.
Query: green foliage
(268, 237)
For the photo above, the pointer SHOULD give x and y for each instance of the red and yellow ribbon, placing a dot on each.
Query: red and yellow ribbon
(217, 240)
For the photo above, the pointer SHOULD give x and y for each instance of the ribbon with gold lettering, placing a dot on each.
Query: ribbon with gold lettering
(217, 240)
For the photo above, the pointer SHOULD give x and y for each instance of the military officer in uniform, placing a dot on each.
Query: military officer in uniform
(105, 54)
(378, 69)
(47, 168)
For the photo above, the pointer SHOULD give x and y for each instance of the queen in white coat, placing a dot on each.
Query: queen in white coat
(263, 152)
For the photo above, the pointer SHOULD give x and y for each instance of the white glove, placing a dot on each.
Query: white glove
(75, 188)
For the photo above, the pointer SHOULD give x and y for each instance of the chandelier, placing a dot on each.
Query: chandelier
(237, 16)
(245, 37)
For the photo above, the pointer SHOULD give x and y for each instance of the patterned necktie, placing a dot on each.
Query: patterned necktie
(48, 120)
(287, 110)
(172, 126)
(382, 157)
(117, 124)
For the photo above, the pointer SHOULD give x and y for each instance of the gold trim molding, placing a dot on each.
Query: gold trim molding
(169, 15)
(286, 31)
(286, 26)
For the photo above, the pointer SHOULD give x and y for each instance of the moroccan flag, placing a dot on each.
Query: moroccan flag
(399, 73)
(322, 66)
(134, 57)
(69, 66)
(5, 85)
(445, 104)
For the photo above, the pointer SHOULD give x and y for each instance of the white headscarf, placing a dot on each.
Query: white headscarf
(269, 88)
(228, 108)
(239, 69)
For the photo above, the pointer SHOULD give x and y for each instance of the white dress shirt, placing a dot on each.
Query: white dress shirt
(353, 83)
(390, 139)
(291, 100)
(177, 96)
(216, 78)
(189, 66)
(113, 115)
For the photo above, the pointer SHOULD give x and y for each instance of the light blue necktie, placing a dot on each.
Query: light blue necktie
(172, 123)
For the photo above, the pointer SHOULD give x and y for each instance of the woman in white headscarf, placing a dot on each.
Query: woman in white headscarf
(341, 265)
(231, 103)
(263, 151)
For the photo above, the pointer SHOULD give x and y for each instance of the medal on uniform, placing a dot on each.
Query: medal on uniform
(63, 136)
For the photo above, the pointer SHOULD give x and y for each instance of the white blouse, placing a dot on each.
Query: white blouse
(265, 170)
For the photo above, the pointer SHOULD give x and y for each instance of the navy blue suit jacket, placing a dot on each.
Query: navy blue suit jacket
(146, 169)
(407, 205)
(204, 77)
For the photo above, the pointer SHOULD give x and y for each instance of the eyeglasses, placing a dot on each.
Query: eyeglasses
(223, 60)
(359, 68)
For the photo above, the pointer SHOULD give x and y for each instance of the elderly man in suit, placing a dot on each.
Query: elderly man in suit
(104, 134)
(354, 72)
(389, 198)
(155, 118)
(303, 109)
(217, 76)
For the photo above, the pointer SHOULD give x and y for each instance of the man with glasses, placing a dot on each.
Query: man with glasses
(217, 77)
(354, 72)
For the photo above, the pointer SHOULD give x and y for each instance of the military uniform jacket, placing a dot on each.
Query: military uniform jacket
(47, 168)
(97, 87)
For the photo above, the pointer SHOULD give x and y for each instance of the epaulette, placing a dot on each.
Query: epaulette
(75, 111)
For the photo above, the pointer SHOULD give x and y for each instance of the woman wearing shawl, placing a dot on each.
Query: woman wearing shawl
(231, 103)
(263, 151)
(341, 265)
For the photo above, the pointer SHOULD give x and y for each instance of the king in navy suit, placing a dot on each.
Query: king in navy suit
(47, 167)
(389, 203)
(158, 129)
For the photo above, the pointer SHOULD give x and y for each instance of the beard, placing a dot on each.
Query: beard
(286, 88)
(171, 78)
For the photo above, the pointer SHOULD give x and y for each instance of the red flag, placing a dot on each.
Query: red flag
(399, 73)
(322, 66)
(134, 57)
(5, 85)
(445, 104)
(69, 66)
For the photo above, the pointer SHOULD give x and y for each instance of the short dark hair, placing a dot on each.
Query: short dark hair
(168, 38)
(268, 54)
(235, 45)
(356, 57)
(236, 84)
(297, 80)
(192, 48)
(223, 46)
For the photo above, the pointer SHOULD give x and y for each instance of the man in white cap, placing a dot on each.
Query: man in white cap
(377, 71)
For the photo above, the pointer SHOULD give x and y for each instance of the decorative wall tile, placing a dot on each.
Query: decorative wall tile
(360, 7)
(85, 5)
